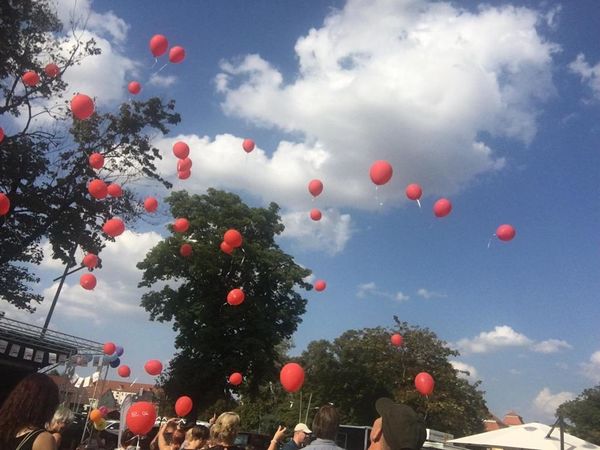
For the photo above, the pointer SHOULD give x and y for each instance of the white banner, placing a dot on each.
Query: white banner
(14, 350)
(39, 356)
(86, 381)
(3, 345)
(51, 358)
(28, 354)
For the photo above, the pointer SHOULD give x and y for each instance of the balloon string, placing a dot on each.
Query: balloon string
(159, 70)
(153, 64)
(377, 196)
(419, 203)
(490, 241)
(243, 257)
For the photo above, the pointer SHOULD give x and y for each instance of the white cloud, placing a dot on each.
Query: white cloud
(361, 97)
(589, 74)
(400, 296)
(591, 369)
(329, 234)
(162, 80)
(546, 402)
(465, 371)
(427, 294)
(501, 337)
(366, 290)
(551, 346)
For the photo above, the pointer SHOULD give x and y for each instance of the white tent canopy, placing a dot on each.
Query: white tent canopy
(531, 436)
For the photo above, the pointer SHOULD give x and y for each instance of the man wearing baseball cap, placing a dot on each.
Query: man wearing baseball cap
(300, 433)
(398, 428)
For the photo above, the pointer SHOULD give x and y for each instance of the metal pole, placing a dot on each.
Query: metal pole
(300, 408)
(308, 408)
(562, 432)
(60, 285)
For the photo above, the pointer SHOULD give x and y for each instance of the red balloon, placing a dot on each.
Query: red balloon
(153, 367)
(181, 225)
(226, 248)
(114, 190)
(183, 406)
(236, 378)
(185, 250)
(397, 340)
(320, 285)
(181, 149)
(505, 232)
(184, 175)
(4, 204)
(248, 145)
(233, 238)
(98, 189)
(315, 214)
(176, 54)
(30, 78)
(291, 377)
(114, 227)
(82, 106)
(96, 160)
(424, 383)
(236, 297)
(184, 164)
(134, 87)
(414, 191)
(381, 172)
(315, 187)
(442, 207)
(87, 281)
(1, 134)
(141, 417)
(90, 261)
(109, 348)
(52, 70)
(158, 45)
(124, 371)
(150, 204)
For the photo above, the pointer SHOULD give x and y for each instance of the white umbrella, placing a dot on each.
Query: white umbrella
(531, 436)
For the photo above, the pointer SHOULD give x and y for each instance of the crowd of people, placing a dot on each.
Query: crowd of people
(32, 419)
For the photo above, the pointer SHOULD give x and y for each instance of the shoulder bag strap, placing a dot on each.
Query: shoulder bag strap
(31, 434)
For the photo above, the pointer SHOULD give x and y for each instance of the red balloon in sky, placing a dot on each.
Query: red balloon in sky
(315, 214)
(52, 70)
(184, 164)
(150, 204)
(320, 285)
(184, 174)
(96, 160)
(248, 145)
(291, 377)
(90, 261)
(30, 78)
(315, 187)
(87, 281)
(4, 204)
(181, 225)
(396, 340)
(109, 348)
(185, 250)
(236, 379)
(153, 367)
(114, 227)
(98, 189)
(236, 297)
(124, 371)
(183, 406)
(381, 172)
(82, 106)
(134, 87)
(176, 54)
(158, 45)
(181, 149)
(114, 190)
(414, 191)
(505, 232)
(424, 383)
(226, 248)
(140, 417)
(233, 238)
(442, 207)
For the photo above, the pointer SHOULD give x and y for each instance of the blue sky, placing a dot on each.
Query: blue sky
(495, 107)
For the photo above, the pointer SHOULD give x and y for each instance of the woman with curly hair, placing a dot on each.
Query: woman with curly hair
(25, 412)
(224, 432)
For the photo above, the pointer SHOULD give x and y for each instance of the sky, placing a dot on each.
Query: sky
(495, 106)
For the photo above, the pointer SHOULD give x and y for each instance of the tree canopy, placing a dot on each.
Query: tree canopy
(214, 338)
(582, 415)
(44, 167)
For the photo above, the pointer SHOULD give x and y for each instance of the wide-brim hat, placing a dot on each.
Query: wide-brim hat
(402, 427)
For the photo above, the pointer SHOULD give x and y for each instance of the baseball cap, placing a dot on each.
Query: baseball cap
(302, 427)
(402, 427)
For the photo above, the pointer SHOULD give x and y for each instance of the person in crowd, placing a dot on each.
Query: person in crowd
(301, 432)
(178, 438)
(224, 432)
(196, 438)
(25, 412)
(165, 434)
(63, 416)
(277, 438)
(324, 427)
(399, 427)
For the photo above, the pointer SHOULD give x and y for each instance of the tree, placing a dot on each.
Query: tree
(583, 415)
(215, 339)
(44, 170)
